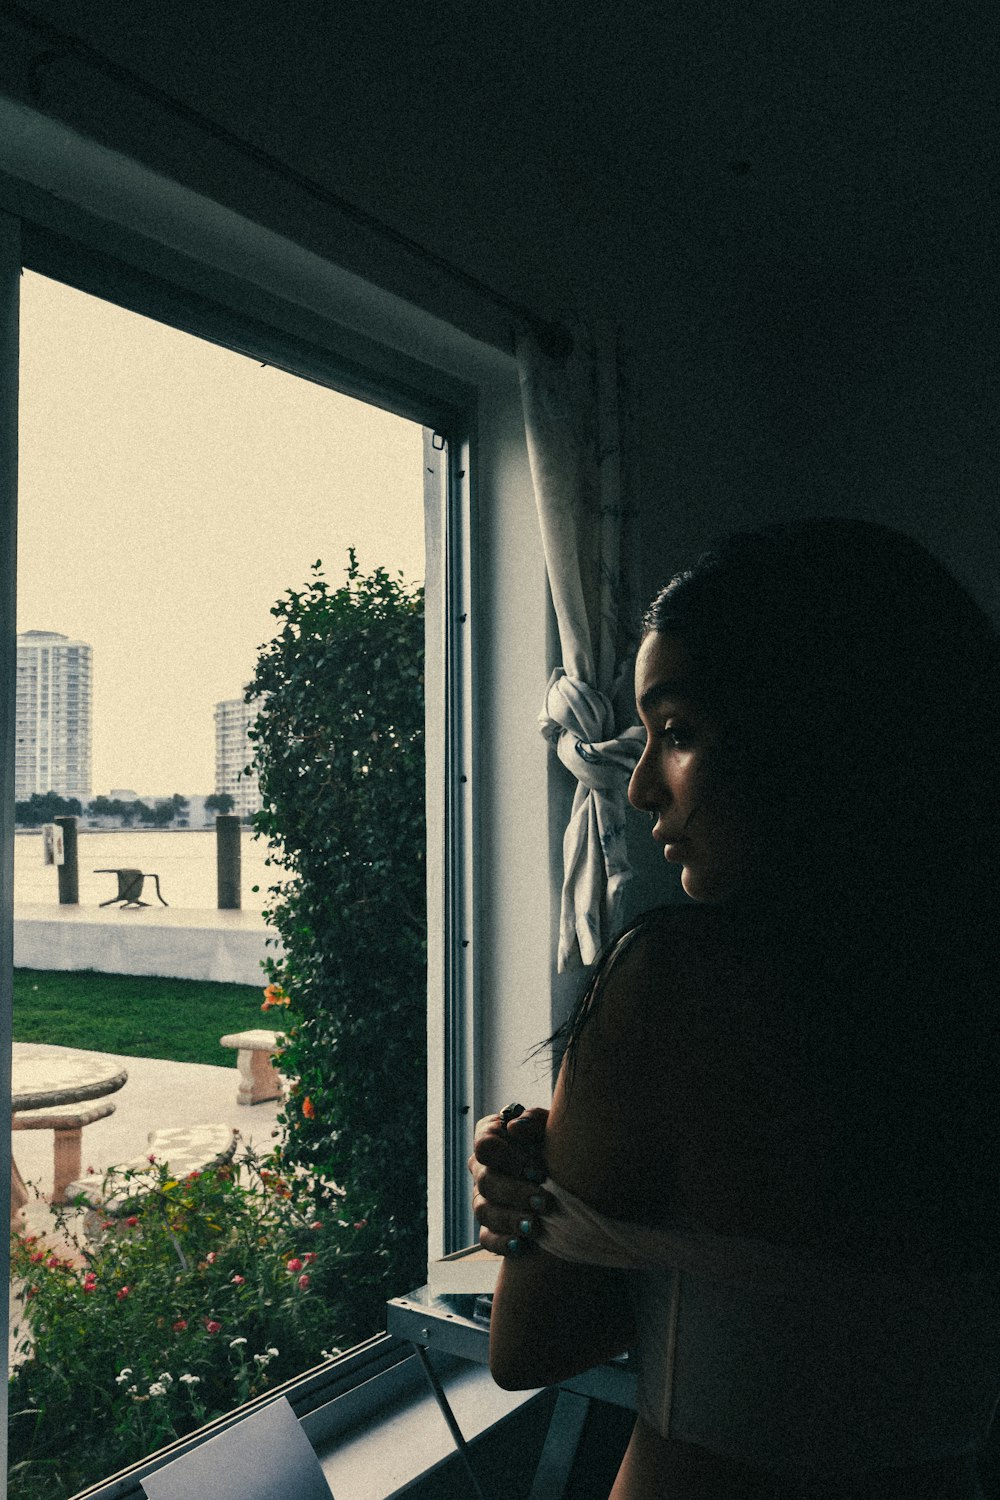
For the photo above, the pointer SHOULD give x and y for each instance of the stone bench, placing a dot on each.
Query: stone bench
(67, 1121)
(184, 1149)
(259, 1078)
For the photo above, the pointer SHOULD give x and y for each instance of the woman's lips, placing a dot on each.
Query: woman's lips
(673, 844)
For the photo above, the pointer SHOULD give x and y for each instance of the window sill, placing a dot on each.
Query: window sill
(396, 1443)
(378, 1434)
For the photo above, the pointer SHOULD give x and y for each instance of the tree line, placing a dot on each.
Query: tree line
(43, 807)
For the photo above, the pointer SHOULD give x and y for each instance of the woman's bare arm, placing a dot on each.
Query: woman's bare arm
(551, 1318)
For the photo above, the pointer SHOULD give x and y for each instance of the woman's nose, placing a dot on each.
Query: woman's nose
(644, 791)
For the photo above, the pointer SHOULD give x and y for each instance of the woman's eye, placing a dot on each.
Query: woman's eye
(678, 736)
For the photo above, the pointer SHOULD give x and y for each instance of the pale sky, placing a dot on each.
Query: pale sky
(169, 492)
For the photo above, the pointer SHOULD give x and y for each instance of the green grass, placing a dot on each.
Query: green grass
(180, 1020)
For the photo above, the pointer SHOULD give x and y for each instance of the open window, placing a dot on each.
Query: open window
(112, 230)
(70, 315)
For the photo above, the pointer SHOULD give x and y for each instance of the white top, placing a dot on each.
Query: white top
(790, 1361)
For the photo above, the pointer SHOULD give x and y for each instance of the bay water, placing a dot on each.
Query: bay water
(184, 859)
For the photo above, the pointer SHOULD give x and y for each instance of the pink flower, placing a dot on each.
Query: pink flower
(361, 1224)
(122, 1293)
(88, 1287)
(53, 1262)
(180, 1325)
(239, 1281)
(211, 1257)
(151, 1157)
(303, 1283)
(318, 1224)
(89, 1282)
(309, 1257)
(193, 1176)
(295, 1264)
(211, 1326)
(132, 1220)
(37, 1256)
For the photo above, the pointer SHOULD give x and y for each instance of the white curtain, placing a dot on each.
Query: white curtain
(577, 421)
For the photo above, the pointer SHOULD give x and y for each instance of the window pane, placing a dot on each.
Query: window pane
(173, 496)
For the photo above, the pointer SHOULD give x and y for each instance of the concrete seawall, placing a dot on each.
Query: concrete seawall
(226, 946)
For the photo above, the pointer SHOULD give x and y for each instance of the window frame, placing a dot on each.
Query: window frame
(196, 280)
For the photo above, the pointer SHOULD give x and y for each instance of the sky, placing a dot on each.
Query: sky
(170, 491)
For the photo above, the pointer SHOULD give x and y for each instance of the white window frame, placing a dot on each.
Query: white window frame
(122, 231)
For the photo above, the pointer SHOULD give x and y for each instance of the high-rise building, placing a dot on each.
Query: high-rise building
(234, 751)
(53, 716)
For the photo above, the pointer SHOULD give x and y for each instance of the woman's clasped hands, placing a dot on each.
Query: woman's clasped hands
(508, 1168)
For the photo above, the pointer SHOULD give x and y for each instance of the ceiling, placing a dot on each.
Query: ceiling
(566, 153)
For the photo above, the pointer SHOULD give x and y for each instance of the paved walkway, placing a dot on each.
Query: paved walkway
(158, 1095)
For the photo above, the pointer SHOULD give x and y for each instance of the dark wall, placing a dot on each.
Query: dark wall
(790, 208)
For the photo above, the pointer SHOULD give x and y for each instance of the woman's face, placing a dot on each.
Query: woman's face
(698, 817)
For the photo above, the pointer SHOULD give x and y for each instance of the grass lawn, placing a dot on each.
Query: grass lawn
(180, 1020)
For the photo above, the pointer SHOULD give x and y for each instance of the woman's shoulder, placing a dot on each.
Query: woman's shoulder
(616, 1113)
(680, 948)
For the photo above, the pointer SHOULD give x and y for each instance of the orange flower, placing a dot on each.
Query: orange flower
(308, 1108)
(274, 995)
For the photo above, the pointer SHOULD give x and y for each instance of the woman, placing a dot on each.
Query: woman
(772, 1149)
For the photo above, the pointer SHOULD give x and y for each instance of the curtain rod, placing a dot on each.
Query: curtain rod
(553, 336)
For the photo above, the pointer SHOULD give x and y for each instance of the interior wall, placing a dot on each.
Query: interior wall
(790, 210)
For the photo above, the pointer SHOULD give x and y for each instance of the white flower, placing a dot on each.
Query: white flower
(166, 1377)
(157, 1388)
(261, 1359)
(330, 1353)
(133, 1390)
(121, 1378)
(233, 1342)
(190, 1380)
(273, 1353)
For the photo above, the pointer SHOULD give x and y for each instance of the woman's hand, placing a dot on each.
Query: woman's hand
(507, 1166)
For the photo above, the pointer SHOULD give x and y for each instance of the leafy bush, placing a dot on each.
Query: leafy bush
(216, 1287)
(339, 753)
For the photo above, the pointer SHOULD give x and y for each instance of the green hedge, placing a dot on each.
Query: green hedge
(339, 751)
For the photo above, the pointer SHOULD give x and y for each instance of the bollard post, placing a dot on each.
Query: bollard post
(69, 870)
(227, 860)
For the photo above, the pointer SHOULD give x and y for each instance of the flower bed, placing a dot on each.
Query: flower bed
(216, 1287)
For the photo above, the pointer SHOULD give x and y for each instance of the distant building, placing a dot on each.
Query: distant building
(53, 716)
(233, 752)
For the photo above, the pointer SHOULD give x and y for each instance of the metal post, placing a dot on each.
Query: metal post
(227, 860)
(69, 870)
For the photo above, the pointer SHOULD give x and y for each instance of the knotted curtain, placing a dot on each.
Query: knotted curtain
(577, 423)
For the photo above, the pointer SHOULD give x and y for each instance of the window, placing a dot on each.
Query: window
(149, 420)
(224, 279)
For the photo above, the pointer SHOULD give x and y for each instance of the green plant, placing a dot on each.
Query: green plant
(214, 1288)
(339, 752)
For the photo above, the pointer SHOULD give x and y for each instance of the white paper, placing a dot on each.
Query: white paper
(53, 849)
(266, 1456)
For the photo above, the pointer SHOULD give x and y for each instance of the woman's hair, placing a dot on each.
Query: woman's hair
(857, 689)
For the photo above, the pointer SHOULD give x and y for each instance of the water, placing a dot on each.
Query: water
(184, 861)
